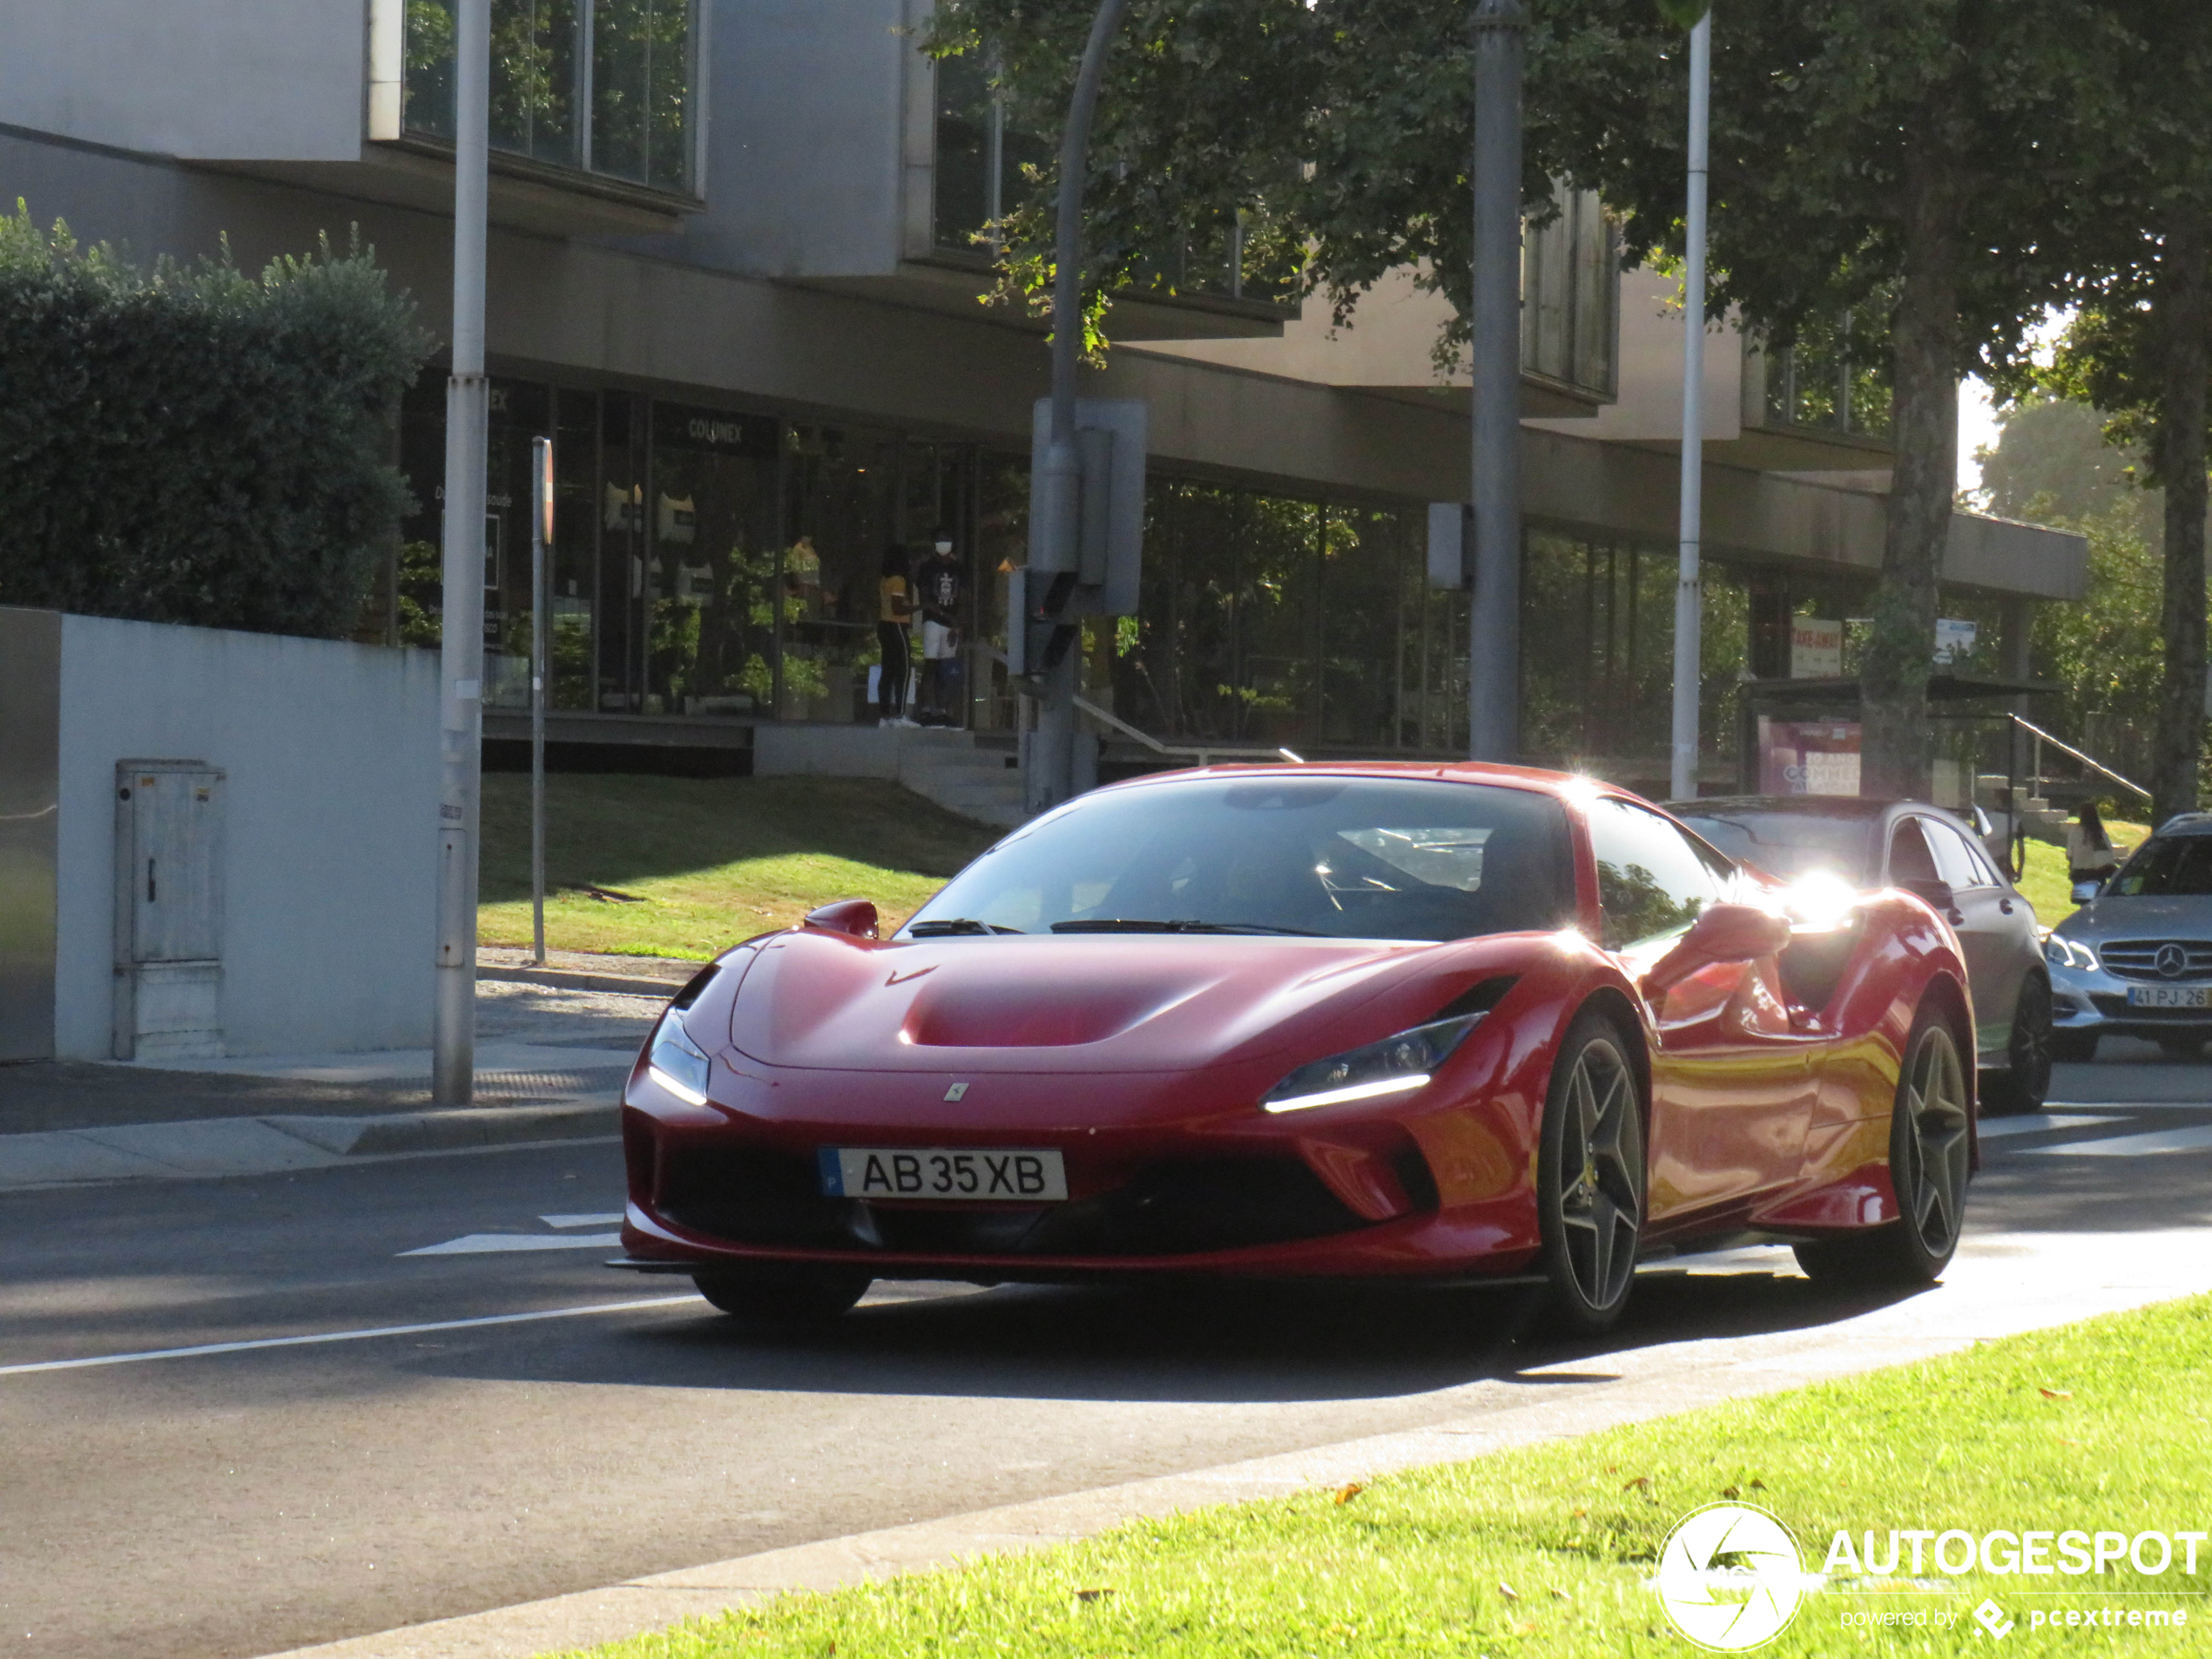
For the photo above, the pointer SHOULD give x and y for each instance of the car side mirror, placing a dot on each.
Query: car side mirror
(1938, 893)
(1722, 933)
(2085, 891)
(854, 916)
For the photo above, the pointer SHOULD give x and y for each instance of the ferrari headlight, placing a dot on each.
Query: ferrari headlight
(678, 1064)
(1390, 1067)
(2067, 952)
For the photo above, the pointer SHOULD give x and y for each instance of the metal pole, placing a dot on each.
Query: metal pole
(461, 658)
(1493, 637)
(541, 667)
(1053, 491)
(1689, 609)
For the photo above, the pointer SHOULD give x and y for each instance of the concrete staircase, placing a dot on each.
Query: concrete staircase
(975, 774)
(969, 772)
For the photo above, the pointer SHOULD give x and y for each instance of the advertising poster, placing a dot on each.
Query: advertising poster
(1808, 757)
(1816, 648)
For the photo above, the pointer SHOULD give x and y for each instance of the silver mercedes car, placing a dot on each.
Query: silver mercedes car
(2136, 959)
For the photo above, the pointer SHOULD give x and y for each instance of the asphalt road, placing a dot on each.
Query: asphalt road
(246, 1502)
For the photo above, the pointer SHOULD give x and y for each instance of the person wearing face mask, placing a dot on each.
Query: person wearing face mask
(937, 586)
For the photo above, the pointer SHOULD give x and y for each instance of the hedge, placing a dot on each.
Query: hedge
(190, 444)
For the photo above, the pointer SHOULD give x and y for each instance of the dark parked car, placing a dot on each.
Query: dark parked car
(1925, 851)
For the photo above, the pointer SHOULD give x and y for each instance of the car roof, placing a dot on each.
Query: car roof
(2187, 824)
(1563, 783)
(1800, 806)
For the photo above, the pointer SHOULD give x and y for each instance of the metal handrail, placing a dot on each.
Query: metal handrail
(2042, 737)
(1203, 753)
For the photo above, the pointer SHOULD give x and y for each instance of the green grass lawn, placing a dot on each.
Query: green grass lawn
(710, 860)
(2102, 1425)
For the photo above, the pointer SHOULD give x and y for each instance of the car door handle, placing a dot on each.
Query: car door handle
(2004, 904)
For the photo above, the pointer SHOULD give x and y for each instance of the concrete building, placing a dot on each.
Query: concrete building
(734, 272)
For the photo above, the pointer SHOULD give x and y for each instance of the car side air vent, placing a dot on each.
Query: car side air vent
(695, 987)
(1479, 998)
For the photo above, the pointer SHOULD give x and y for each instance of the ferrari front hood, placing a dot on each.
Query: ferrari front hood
(1088, 1003)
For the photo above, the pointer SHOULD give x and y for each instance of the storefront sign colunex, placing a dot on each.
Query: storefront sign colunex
(1808, 757)
(680, 426)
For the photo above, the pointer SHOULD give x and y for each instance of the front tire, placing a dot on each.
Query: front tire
(783, 1292)
(1590, 1178)
(2024, 1083)
(1929, 1154)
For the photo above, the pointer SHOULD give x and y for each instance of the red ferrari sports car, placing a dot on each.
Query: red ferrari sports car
(1455, 1021)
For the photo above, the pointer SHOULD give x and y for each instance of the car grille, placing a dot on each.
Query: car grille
(2138, 958)
(1174, 1208)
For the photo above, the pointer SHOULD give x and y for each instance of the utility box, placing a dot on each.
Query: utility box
(168, 910)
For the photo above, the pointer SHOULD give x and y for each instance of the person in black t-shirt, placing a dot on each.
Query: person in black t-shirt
(937, 590)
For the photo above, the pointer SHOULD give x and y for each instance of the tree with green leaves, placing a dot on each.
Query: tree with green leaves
(1918, 155)
(2140, 349)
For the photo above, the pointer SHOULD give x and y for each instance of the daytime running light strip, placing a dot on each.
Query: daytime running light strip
(682, 1091)
(1357, 1091)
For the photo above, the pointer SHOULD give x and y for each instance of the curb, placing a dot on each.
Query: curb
(198, 1149)
(567, 979)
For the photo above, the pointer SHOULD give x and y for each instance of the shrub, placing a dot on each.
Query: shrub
(188, 444)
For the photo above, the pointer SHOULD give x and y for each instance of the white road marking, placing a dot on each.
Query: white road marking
(341, 1336)
(489, 1244)
(613, 1218)
(2125, 1146)
(2033, 1123)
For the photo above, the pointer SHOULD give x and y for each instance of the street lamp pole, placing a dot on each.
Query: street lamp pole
(462, 649)
(1690, 611)
(1055, 490)
(1494, 634)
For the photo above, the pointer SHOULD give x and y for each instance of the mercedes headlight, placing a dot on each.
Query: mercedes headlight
(678, 1064)
(2068, 953)
(1390, 1067)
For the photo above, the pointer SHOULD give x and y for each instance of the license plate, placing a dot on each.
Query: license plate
(983, 1174)
(2169, 996)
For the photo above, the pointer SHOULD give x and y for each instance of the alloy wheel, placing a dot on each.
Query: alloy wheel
(1601, 1203)
(1929, 1160)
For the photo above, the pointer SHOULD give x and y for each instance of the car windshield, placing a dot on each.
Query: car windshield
(2167, 866)
(1352, 858)
(1788, 844)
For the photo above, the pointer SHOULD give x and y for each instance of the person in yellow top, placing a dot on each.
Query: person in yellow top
(896, 607)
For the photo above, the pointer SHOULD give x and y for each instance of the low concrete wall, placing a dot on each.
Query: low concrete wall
(330, 814)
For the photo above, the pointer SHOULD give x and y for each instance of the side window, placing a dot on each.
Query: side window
(1955, 859)
(1910, 859)
(1652, 880)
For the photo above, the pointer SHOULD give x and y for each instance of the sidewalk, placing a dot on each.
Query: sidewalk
(550, 1062)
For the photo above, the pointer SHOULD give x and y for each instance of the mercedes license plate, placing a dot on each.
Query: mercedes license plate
(2169, 996)
(984, 1174)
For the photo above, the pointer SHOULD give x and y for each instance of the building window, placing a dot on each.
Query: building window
(603, 86)
(1570, 284)
(981, 167)
(1833, 378)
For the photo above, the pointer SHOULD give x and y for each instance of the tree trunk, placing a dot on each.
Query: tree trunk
(2184, 320)
(1924, 428)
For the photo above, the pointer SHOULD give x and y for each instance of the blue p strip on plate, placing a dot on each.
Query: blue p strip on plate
(833, 1174)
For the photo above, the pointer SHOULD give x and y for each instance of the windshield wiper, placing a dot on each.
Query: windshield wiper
(1122, 925)
(936, 929)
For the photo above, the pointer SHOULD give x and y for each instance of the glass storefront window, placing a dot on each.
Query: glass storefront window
(605, 86)
(711, 567)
